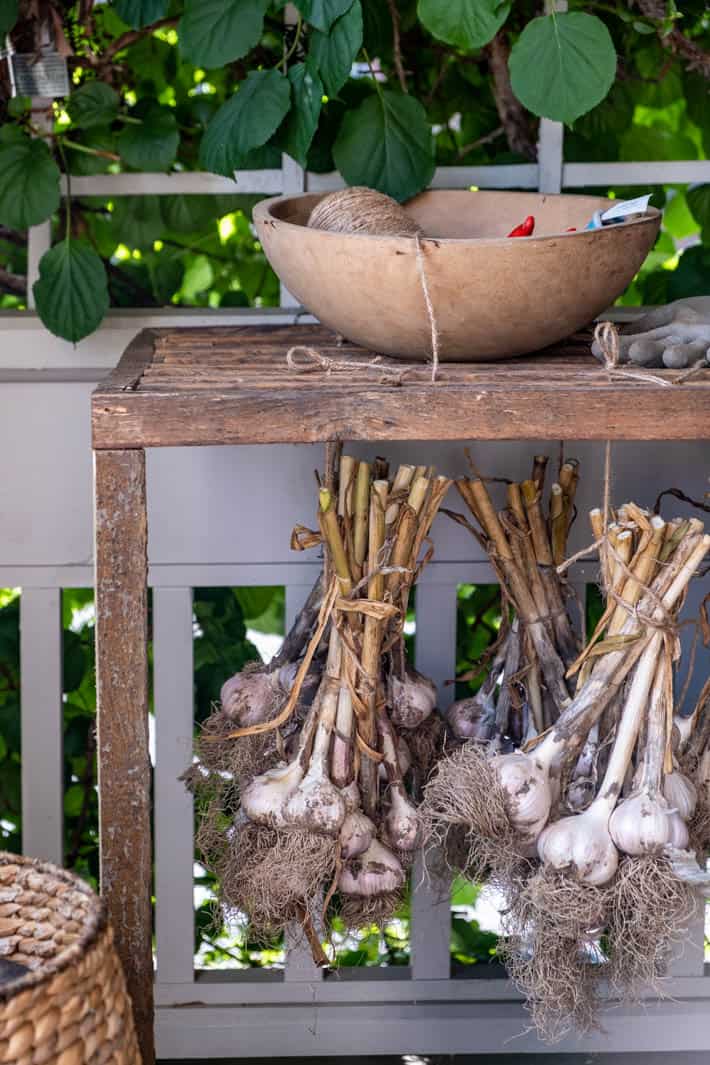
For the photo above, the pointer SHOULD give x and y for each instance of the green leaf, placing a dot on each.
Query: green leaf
(333, 53)
(386, 143)
(187, 214)
(653, 143)
(246, 121)
(166, 275)
(139, 13)
(323, 13)
(8, 15)
(137, 220)
(72, 293)
(73, 800)
(94, 104)
(698, 199)
(29, 182)
(296, 133)
(562, 65)
(18, 106)
(678, 221)
(467, 24)
(154, 143)
(215, 32)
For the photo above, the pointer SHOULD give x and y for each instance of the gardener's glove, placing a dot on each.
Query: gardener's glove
(674, 336)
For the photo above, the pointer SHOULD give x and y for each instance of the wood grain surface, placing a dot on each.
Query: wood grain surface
(217, 385)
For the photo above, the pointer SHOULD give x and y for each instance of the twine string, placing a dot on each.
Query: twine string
(423, 280)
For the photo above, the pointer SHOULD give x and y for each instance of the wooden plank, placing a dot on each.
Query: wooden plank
(373, 1027)
(41, 723)
(122, 688)
(395, 985)
(173, 686)
(370, 412)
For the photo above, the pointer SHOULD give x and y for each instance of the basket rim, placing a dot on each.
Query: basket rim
(96, 924)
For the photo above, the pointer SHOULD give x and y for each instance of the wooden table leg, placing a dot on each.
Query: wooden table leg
(122, 688)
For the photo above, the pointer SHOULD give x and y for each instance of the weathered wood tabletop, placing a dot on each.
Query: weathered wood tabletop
(233, 386)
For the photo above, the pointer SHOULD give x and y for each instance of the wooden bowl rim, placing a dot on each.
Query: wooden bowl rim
(263, 211)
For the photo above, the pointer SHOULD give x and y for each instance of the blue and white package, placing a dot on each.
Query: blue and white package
(619, 212)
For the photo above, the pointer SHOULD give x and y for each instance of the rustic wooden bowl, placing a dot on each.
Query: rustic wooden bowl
(493, 297)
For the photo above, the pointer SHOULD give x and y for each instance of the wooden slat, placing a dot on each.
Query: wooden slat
(122, 689)
(222, 386)
(299, 962)
(41, 723)
(173, 685)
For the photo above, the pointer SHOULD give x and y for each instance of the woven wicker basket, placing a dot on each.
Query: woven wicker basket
(71, 1006)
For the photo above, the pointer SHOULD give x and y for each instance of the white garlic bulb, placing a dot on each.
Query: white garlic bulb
(402, 821)
(581, 845)
(263, 799)
(526, 786)
(315, 803)
(679, 835)
(641, 824)
(356, 834)
(375, 872)
(681, 793)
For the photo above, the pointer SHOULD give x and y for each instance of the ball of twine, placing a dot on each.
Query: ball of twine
(362, 210)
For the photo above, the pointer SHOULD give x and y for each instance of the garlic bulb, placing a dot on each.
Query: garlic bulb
(412, 698)
(641, 824)
(356, 834)
(581, 845)
(526, 786)
(402, 822)
(472, 719)
(679, 835)
(375, 872)
(248, 697)
(681, 793)
(263, 799)
(315, 803)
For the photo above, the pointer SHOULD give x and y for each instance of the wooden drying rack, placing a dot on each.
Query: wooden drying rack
(212, 386)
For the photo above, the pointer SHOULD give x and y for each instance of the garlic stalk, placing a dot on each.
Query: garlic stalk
(582, 844)
(263, 800)
(315, 803)
(641, 823)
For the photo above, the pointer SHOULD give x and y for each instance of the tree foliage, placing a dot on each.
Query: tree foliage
(382, 91)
